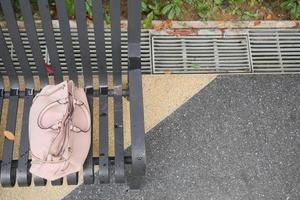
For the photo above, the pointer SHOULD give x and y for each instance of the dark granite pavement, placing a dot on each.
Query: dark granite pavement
(238, 138)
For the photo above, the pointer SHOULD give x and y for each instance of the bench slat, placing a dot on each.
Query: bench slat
(138, 153)
(103, 137)
(38, 181)
(80, 14)
(88, 166)
(57, 182)
(50, 40)
(135, 94)
(8, 174)
(34, 43)
(103, 100)
(8, 64)
(72, 179)
(64, 26)
(24, 177)
(1, 106)
(117, 79)
(17, 43)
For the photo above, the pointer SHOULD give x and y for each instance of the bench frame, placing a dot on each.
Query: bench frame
(13, 171)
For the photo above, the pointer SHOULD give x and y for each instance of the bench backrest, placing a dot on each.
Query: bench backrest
(39, 59)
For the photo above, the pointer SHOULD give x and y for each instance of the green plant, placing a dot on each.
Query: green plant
(235, 11)
(70, 8)
(151, 10)
(17, 9)
(293, 6)
(16, 6)
(254, 2)
(189, 1)
(235, 2)
(218, 2)
(71, 11)
(172, 9)
(247, 15)
(106, 15)
(251, 3)
(236, 6)
(205, 8)
(89, 8)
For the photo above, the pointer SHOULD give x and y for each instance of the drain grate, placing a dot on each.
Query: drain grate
(145, 50)
(211, 51)
(200, 54)
(231, 51)
(275, 51)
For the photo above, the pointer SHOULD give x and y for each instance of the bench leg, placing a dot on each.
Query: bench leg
(136, 95)
(138, 152)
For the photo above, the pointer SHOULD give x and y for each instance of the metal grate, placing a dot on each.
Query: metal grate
(275, 51)
(145, 50)
(238, 51)
(229, 51)
(200, 54)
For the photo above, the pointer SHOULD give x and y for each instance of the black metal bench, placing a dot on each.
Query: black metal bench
(13, 171)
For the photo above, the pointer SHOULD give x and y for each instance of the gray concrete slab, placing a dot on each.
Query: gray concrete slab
(238, 138)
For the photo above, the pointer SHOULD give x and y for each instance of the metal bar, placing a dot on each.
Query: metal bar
(100, 41)
(50, 40)
(135, 94)
(57, 182)
(103, 100)
(33, 40)
(1, 106)
(117, 79)
(88, 166)
(72, 179)
(103, 137)
(64, 26)
(96, 93)
(80, 13)
(38, 181)
(137, 127)
(9, 68)
(8, 174)
(17, 43)
(24, 177)
(127, 159)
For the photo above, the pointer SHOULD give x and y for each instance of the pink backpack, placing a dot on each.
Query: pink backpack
(59, 130)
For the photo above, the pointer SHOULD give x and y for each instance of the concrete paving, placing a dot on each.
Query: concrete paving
(238, 138)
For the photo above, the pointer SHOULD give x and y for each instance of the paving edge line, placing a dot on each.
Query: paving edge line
(255, 24)
(221, 24)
